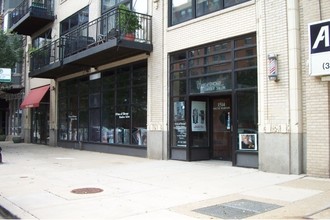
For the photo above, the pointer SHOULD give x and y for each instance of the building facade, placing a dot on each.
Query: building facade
(200, 80)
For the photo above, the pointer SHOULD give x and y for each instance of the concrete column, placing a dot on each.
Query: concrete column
(295, 91)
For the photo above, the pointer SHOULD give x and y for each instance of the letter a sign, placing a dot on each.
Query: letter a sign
(319, 48)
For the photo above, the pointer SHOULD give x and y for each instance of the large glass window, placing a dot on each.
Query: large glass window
(111, 107)
(78, 18)
(42, 39)
(183, 10)
(110, 4)
(206, 6)
(221, 67)
(135, 5)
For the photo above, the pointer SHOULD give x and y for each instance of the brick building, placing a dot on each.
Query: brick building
(203, 79)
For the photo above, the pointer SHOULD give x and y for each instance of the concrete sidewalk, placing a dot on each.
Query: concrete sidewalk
(42, 182)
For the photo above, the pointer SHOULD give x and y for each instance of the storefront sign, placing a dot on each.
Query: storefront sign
(5, 75)
(181, 134)
(198, 116)
(122, 115)
(212, 86)
(319, 48)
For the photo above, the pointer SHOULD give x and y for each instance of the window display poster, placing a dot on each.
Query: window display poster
(198, 116)
(179, 110)
(248, 142)
(180, 134)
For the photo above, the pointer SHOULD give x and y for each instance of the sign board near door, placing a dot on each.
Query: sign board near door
(319, 48)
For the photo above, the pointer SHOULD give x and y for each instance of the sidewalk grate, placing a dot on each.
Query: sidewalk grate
(237, 209)
(86, 190)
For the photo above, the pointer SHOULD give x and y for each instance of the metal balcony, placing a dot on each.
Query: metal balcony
(30, 16)
(98, 42)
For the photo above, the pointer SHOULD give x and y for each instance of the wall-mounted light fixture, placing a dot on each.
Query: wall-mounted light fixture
(272, 67)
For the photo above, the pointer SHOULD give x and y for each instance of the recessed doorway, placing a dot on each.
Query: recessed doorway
(221, 116)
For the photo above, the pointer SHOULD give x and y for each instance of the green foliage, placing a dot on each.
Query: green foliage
(128, 20)
(11, 49)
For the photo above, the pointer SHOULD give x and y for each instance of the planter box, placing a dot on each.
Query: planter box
(17, 139)
(2, 137)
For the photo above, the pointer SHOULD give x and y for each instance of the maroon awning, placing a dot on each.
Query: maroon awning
(32, 100)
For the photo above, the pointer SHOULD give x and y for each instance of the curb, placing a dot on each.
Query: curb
(6, 214)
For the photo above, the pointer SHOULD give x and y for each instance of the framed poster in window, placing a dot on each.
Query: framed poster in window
(198, 116)
(248, 142)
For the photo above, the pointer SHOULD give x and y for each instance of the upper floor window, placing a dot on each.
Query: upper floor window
(110, 4)
(78, 18)
(139, 6)
(183, 10)
(42, 39)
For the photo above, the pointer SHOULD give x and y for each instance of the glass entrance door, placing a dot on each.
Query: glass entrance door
(221, 128)
(40, 122)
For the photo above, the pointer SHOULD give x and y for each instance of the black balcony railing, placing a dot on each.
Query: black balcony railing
(103, 29)
(34, 8)
(50, 53)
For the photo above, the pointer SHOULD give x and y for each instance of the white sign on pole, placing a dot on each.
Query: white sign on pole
(319, 48)
(5, 75)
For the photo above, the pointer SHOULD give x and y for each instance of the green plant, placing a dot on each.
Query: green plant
(128, 20)
(43, 51)
(32, 50)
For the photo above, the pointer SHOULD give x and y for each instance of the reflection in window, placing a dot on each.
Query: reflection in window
(247, 41)
(111, 109)
(229, 3)
(247, 78)
(79, 18)
(179, 87)
(181, 11)
(206, 6)
(42, 39)
(94, 125)
(247, 115)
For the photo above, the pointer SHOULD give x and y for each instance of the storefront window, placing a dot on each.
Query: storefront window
(225, 70)
(246, 78)
(179, 124)
(179, 87)
(247, 120)
(112, 107)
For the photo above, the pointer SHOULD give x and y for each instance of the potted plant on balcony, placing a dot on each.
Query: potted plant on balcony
(128, 22)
